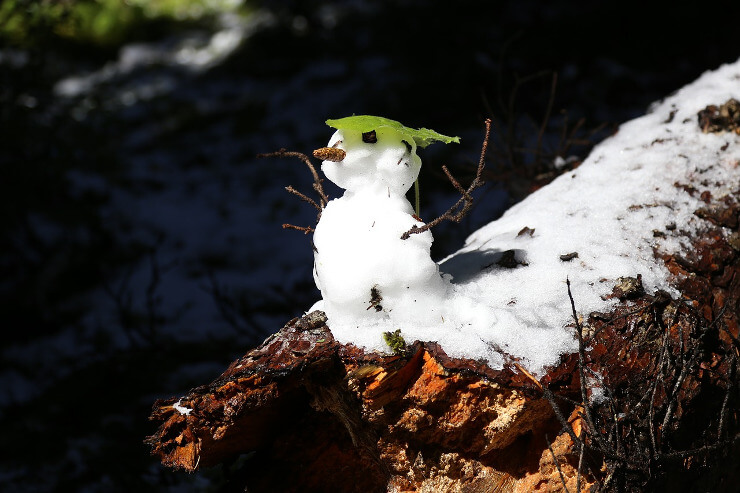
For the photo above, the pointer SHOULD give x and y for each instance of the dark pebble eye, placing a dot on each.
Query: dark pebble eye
(408, 146)
(369, 137)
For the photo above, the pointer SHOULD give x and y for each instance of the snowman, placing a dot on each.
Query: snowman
(366, 273)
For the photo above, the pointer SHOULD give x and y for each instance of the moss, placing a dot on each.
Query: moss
(395, 341)
(102, 23)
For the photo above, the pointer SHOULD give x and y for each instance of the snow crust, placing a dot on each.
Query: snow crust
(607, 210)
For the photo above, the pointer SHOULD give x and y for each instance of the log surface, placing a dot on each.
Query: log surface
(651, 402)
(661, 406)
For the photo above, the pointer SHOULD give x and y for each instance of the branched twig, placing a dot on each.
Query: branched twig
(317, 186)
(142, 322)
(735, 340)
(688, 365)
(240, 320)
(465, 203)
(671, 375)
(683, 454)
(317, 181)
(304, 198)
(547, 393)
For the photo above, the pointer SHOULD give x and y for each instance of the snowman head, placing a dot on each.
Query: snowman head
(371, 152)
(381, 159)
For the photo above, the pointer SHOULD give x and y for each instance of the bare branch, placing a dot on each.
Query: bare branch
(683, 454)
(581, 363)
(228, 306)
(317, 186)
(557, 464)
(546, 118)
(303, 197)
(317, 181)
(580, 466)
(465, 203)
(305, 229)
(723, 412)
(688, 365)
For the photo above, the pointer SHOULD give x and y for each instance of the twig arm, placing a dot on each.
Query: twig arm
(317, 186)
(317, 181)
(461, 208)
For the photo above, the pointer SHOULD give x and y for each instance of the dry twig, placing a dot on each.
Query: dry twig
(582, 375)
(641, 460)
(557, 464)
(461, 208)
(317, 186)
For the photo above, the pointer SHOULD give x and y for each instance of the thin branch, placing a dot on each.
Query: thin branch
(687, 366)
(683, 454)
(547, 393)
(615, 431)
(726, 400)
(580, 466)
(304, 197)
(317, 186)
(548, 111)
(317, 181)
(735, 340)
(651, 409)
(305, 229)
(581, 364)
(465, 203)
(557, 465)
(239, 320)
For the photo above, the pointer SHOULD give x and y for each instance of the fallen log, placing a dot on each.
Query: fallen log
(650, 401)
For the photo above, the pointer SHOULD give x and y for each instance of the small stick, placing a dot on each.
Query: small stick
(461, 208)
(305, 229)
(528, 375)
(580, 466)
(548, 112)
(723, 411)
(324, 199)
(303, 197)
(581, 373)
(557, 464)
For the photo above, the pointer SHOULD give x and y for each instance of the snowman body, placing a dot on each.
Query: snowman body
(366, 273)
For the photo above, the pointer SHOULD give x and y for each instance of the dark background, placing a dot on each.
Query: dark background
(141, 242)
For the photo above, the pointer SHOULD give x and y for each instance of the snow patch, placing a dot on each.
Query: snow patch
(181, 409)
(624, 204)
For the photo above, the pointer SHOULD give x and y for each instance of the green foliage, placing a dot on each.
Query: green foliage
(395, 341)
(185, 9)
(100, 22)
(97, 22)
(366, 123)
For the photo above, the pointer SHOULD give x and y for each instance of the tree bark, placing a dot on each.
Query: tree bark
(650, 402)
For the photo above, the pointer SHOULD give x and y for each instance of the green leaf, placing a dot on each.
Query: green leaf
(366, 123)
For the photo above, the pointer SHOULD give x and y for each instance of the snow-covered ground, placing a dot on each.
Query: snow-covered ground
(606, 211)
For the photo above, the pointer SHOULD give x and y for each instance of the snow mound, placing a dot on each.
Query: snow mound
(628, 200)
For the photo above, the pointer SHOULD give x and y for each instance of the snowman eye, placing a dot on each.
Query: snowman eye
(369, 137)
